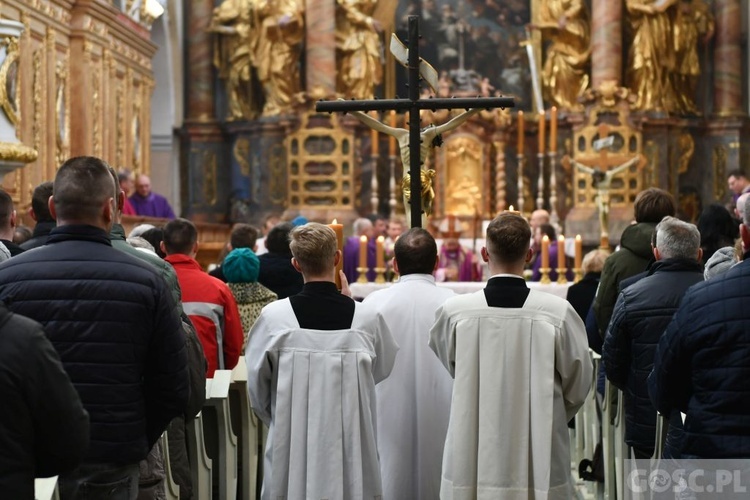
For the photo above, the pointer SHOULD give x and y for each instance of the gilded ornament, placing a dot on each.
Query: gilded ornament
(359, 47)
(16, 152)
(9, 87)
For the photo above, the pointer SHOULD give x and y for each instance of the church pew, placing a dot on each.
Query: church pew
(171, 489)
(45, 488)
(247, 429)
(200, 464)
(217, 397)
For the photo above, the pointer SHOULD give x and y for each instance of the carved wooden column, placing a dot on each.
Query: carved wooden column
(728, 58)
(320, 46)
(199, 79)
(606, 42)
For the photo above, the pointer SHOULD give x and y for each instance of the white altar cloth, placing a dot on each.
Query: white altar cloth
(362, 290)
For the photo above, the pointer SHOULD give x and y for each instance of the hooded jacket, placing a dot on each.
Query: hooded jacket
(632, 258)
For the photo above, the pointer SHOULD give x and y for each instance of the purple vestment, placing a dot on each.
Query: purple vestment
(463, 260)
(351, 259)
(153, 205)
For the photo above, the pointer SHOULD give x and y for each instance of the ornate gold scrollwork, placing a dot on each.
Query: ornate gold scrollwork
(62, 117)
(15, 152)
(9, 81)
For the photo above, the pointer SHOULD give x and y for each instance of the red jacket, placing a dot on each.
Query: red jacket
(211, 307)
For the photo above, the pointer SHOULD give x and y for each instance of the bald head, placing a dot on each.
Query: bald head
(739, 208)
(538, 217)
(143, 185)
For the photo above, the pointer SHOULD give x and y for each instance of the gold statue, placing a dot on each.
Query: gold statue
(651, 59)
(427, 194)
(565, 23)
(430, 137)
(359, 48)
(282, 27)
(233, 55)
(694, 23)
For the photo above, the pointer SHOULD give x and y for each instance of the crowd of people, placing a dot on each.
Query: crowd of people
(106, 341)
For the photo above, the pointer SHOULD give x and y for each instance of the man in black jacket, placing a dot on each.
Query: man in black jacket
(39, 211)
(113, 322)
(44, 430)
(642, 312)
(8, 223)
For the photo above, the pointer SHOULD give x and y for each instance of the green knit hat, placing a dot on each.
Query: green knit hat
(241, 265)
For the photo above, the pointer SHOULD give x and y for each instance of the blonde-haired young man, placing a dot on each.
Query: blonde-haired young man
(313, 361)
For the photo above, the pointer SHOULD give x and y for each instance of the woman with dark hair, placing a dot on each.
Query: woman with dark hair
(718, 229)
(276, 270)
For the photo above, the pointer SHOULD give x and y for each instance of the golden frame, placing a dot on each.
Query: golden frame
(10, 103)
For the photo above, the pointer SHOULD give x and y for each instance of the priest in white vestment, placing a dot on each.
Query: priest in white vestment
(414, 401)
(313, 361)
(521, 369)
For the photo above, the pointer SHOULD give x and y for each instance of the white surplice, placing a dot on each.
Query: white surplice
(520, 375)
(414, 401)
(315, 390)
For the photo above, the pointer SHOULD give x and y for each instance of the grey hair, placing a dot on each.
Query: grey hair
(676, 239)
(360, 225)
(746, 214)
(138, 242)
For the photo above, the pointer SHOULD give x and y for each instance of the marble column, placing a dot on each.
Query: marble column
(199, 78)
(320, 46)
(728, 58)
(606, 42)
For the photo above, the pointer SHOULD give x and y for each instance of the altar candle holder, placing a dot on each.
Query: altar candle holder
(561, 279)
(577, 274)
(362, 275)
(521, 160)
(379, 275)
(544, 271)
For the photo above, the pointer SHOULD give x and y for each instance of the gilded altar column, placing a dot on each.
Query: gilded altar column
(320, 45)
(606, 42)
(728, 58)
(199, 79)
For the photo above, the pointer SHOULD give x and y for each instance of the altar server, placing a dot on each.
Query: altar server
(414, 401)
(522, 370)
(313, 361)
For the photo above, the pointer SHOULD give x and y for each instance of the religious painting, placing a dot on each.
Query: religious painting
(477, 46)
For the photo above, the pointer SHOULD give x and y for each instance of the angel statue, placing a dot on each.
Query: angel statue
(602, 181)
(430, 137)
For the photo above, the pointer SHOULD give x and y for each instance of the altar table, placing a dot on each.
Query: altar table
(362, 290)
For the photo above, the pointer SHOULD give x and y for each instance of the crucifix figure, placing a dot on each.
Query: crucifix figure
(602, 173)
(430, 137)
(416, 142)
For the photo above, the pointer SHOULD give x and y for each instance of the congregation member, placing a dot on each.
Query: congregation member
(22, 234)
(276, 270)
(125, 180)
(206, 300)
(581, 294)
(268, 223)
(634, 256)
(642, 312)
(718, 229)
(242, 236)
(241, 267)
(113, 322)
(702, 363)
(313, 361)
(8, 221)
(44, 430)
(413, 403)
(147, 203)
(521, 368)
(456, 262)
(152, 470)
(362, 227)
(39, 211)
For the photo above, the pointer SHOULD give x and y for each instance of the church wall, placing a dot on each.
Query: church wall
(85, 82)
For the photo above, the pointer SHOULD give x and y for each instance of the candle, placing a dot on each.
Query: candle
(363, 251)
(392, 140)
(553, 129)
(545, 252)
(374, 137)
(561, 252)
(520, 133)
(379, 253)
(339, 230)
(542, 125)
(579, 252)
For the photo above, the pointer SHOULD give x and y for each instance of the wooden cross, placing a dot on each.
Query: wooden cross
(413, 105)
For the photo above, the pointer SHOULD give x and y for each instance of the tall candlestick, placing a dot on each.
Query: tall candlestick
(520, 133)
(391, 139)
(374, 137)
(579, 252)
(553, 129)
(561, 252)
(545, 252)
(363, 251)
(542, 126)
(339, 230)
(380, 253)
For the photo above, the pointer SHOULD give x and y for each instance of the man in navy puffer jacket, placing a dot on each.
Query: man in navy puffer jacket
(702, 363)
(642, 312)
(113, 322)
